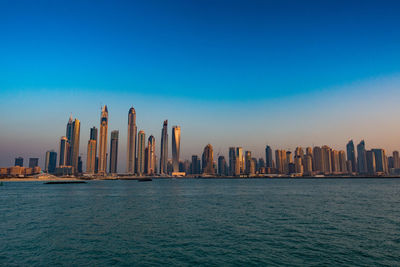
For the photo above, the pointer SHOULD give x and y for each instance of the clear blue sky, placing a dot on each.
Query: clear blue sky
(232, 73)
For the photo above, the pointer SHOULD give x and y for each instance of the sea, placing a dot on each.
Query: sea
(201, 222)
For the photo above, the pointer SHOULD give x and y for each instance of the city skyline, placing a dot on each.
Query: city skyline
(316, 160)
(239, 151)
(265, 73)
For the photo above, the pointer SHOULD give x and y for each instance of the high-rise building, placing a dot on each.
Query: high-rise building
(232, 161)
(281, 161)
(289, 158)
(131, 144)
(396, 160)
(247, 161)
(151, 155)
(91, 156)
(80, 165)
(70, 128)
(196, 168)
(362, 158)
(298, 162)
(335, 162)
(318, 160)
(103, 141)
(176, 143)
(208, 160)
(114, 152)
(240, 156)
(343, 162)
(351, 155)
(299, 152)
(307, 165)
(74, 144)
(93, 136)
(222, 170)
(141, 152)
(68, 134)
(371, 165)
(64, 150)
(164, 148)
(50, 162)
(19, 162)
(33, 162)
(380, 160)
(268, 157)
(326, 157)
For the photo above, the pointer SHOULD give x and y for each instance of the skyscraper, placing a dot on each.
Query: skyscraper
(248, 161)
(232, 160)
(74, 145)
(141, 152)
(131, 144)
(50, 162)
(64, 148)
(326, 159)
(268, 157)
(281, 161)
(371, 165)
(362, 158)
(91, 156)
(164, 148)
(396, 160)
(318, 160)
(335, 161)
(380, 160)
(114, 152)
(351, 156)
(240, 157)
(196, 168)
(222, 170)
(342, 162)
(68, 134)
(19, 162)
(93, 136)
(103, 141)
(176, 143)
(208, 160)
(33, 162)
(151, 155)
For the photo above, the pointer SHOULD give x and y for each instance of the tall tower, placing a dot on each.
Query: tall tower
(91, 156)
(268, 157)
(208, 160)
(232, 161)
(50, 162)
(114, 151)
(351, 156)
(68, 134)
(151, 155)
(93, 136)
(131, 144)
(164, 148)
(103, 141)
(176, 143)
(240, 156)
(362, 158)
(141, 152)
(64, 148)
(76, 131)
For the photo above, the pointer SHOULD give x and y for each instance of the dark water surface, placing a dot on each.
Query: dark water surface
(201, 222)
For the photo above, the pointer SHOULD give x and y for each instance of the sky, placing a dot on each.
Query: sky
(230, 73)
